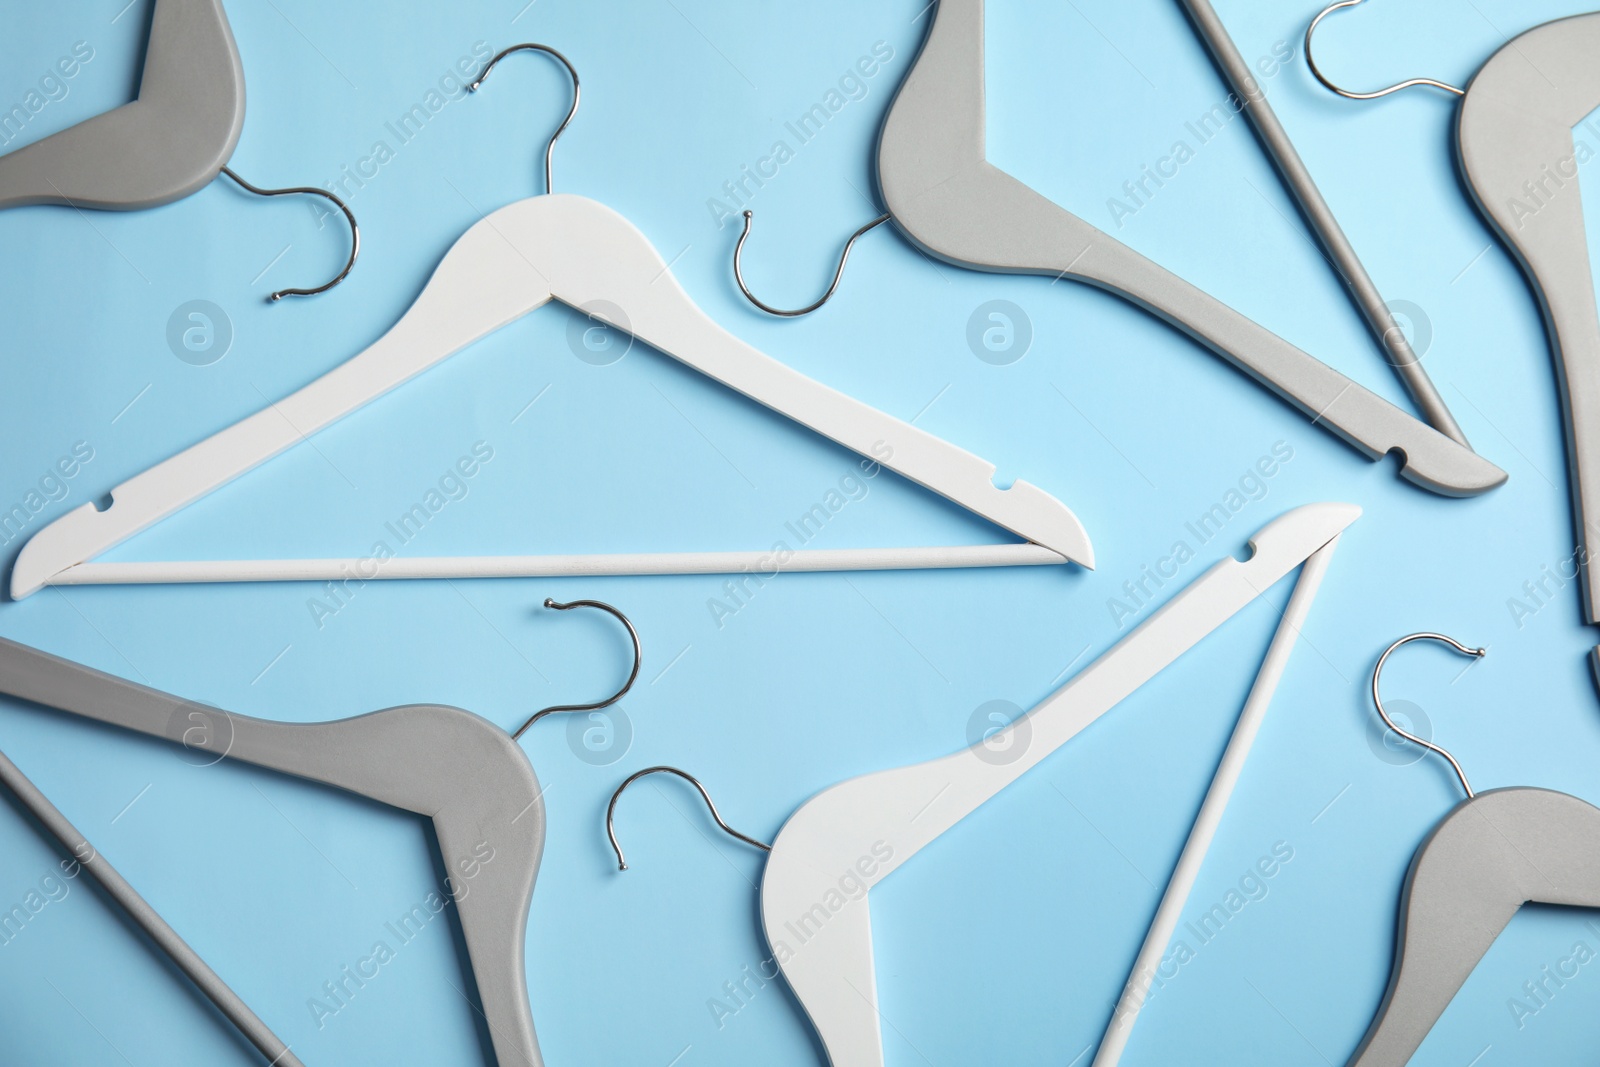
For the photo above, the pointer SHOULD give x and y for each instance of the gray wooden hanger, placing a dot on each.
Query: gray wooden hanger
(171, 141)
(1514, 138)
(1493, 853)
(168, 143)
(138, 910)
(463, 773)
(948, 199)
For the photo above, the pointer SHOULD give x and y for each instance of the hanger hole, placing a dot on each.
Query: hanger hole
(103, 503)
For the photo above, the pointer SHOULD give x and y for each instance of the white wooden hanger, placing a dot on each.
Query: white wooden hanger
(908, 808)
(825, 950)
(575, 250)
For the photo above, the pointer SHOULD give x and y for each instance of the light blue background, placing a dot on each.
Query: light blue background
(1008, 941)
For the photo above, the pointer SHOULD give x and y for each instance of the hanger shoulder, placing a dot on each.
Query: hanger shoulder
(506, 265)
(481, 285)
(168, 143)
(463, 773)
(1515, 142)
(871, 825)
(599, 262)
(950, 201)
(1484, 860)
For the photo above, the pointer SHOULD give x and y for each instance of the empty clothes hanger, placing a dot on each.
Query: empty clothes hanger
(1493, 853)
(171, 141)
(82, 854)
(1515, 147)
(949, 200)
(469, 777)
(1319, 216)
(897, 813)
(463, 773)
(557, 246)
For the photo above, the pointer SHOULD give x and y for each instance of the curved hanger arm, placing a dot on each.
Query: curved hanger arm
(1491, 855)
(1514, 137)
(515, 260)
(948, 199)
(166, 144)
(875, 823)
(463, 773)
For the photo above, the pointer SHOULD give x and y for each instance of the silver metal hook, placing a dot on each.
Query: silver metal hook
(638, 657)
(549, 185)
(844, 257)
(355, 230)
(1323, 78)
(1377, 700)
(611, 811)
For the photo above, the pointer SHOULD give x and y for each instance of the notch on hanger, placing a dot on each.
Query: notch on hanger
(568, 248)
(171, 141)
(949, 200)
(1320, 218)
(952, 202)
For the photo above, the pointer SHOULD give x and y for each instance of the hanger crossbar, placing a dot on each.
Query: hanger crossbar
(763, 564)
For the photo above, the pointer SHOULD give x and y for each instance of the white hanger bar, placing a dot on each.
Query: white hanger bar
(513, 261)
(829, 964)
(1204, 831)
(762, 564)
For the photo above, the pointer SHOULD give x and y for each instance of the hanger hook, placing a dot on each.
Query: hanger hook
(1376, 699)
(1323, 78)
(844, 257)
(633, 675)
(611, 811)
(355, 230)
(549, 186)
